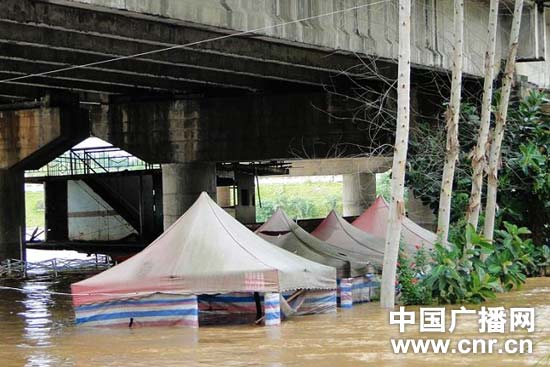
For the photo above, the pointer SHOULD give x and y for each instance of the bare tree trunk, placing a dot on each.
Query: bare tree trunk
(397, 204)
(478, 157)
(500, 123)
(452, 117)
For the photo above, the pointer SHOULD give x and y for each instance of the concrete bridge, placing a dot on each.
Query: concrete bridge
(215, 94)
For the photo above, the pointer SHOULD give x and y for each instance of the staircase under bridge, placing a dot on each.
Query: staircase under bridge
(105, 200)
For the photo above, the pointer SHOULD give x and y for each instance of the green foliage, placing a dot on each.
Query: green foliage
(409, 275)
(34, 209)
(524, 178)
(482, 286)
(383, 185)
(473, 274)
(512, 247)
(300, 200)
(459, 275)
(525, 182)
(427, 152)
(308, 199)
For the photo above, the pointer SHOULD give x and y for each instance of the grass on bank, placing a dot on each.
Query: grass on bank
(34, 209)
(307, 199)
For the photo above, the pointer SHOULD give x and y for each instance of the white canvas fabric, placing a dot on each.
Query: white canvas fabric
(338, 232)
(285, 233)
(206, 251)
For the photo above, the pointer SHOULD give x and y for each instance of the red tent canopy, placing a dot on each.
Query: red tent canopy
(375, 221)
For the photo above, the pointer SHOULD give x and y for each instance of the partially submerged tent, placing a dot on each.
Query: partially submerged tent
(338, 232)
(206, 252)
(285, 233)
(375, 221)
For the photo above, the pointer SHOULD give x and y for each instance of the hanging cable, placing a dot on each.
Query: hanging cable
(190, 44)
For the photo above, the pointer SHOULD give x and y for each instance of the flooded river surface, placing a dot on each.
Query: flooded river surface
(36, 329)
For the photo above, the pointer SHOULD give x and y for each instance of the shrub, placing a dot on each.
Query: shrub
(471, 274)
(410, 273)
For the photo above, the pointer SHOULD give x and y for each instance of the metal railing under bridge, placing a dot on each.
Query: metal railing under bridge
(86, 161)
(13, 268)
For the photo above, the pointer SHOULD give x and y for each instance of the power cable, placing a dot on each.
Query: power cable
(242, 33)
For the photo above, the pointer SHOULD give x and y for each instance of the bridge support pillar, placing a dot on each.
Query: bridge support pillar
(245, 209)
(12, 214)
(56, 205)
(224, 196)
(420, 213)
(182, 183)
(359, 192)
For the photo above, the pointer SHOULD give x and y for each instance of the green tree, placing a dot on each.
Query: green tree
(524, 181)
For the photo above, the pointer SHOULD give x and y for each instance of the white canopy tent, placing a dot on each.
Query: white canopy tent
(338, 232)
(285, 233)
(206, 251)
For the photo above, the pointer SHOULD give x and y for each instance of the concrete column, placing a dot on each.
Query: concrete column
(224, 196)
(245, 210)
(182, 183)
(56, 218)
(421, 214)
(12, 214)
(359, 192)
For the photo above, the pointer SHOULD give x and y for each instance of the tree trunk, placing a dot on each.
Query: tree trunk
(452, 117)
(478, 156)
(500, 123)
(397, 205)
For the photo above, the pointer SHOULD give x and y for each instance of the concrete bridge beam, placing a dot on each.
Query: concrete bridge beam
(31, 137)
(182, 183)
(12, 214)
(232, 129)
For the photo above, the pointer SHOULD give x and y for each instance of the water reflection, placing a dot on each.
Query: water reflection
(36, 329)
(36, 315)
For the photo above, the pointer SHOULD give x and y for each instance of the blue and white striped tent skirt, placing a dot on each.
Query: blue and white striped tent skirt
(155, 310)
(187, 310)
(364, 288)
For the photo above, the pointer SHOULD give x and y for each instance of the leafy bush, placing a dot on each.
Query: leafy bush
(542, 260)
(524, 179)
(472, 274)
(459, 275)
(410, 273)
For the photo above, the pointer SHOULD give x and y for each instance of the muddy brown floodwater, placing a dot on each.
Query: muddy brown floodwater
(37, 329)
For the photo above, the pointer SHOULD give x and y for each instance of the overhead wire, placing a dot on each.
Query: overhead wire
(190, 44)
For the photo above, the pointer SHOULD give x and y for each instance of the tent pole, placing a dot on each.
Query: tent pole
(258, 305)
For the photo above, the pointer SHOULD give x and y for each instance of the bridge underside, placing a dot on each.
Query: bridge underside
(38, 37)
(237, 99)
(242, 98)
